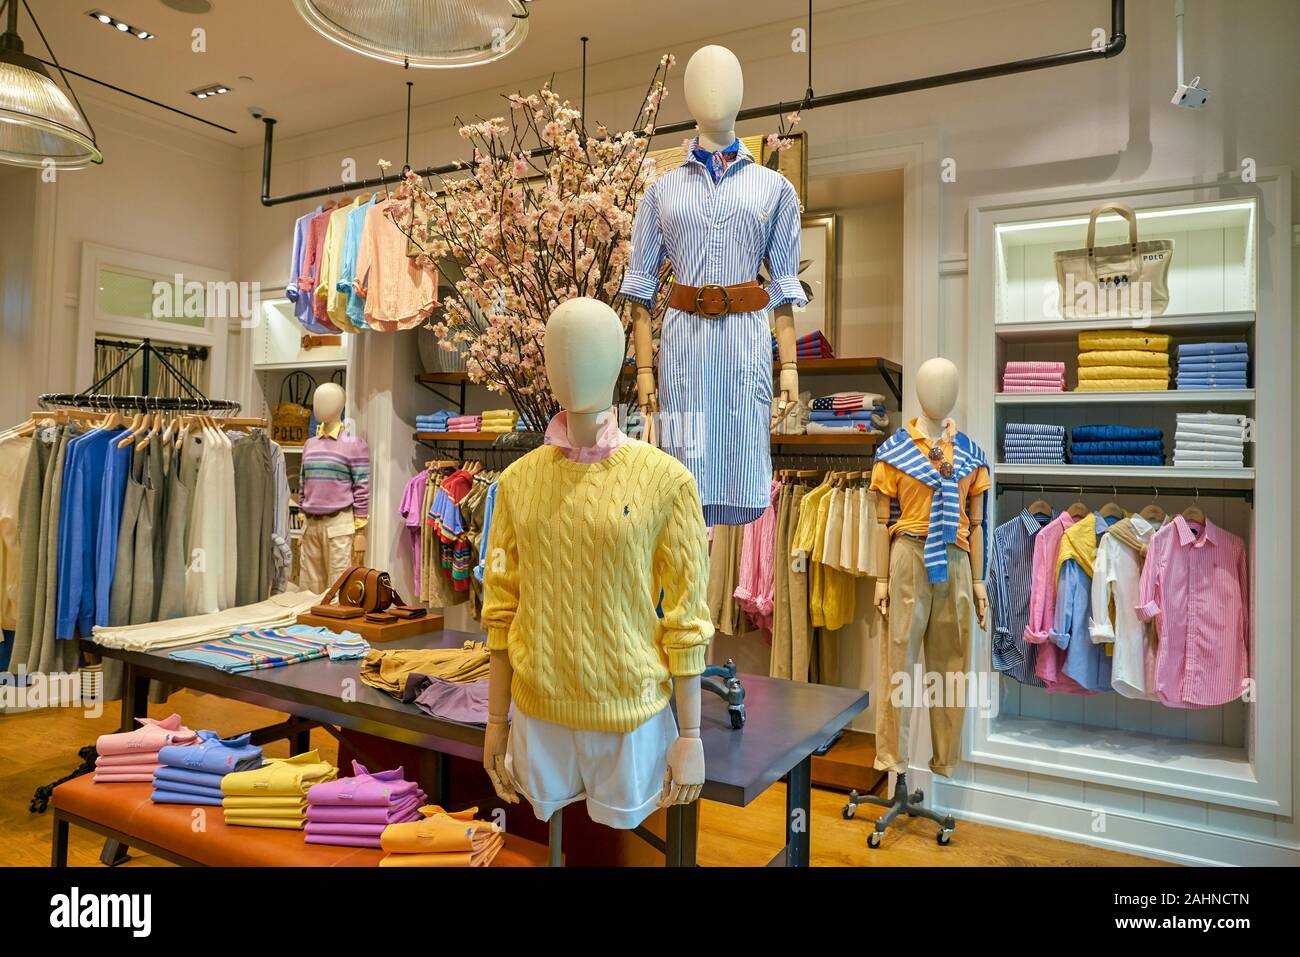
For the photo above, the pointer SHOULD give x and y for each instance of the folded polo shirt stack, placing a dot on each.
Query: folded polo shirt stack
(1033, 377)
(465, 423)
(192, 774)
(500, 420)
(1116, 445)
(132, 756)
(257, 649)
(842, 412)
(1031, 443)
(274, 795)
(353, 812)
(442, 839)
(1120, 360)
(1212, 365)
(432, 421)
(1210, 440)
(812, 345)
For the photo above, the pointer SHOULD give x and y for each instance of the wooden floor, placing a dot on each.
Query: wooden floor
(38, 747)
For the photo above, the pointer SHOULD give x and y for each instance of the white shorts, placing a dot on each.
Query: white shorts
(620, 775)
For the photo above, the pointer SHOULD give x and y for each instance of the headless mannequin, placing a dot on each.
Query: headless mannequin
(328, 404)
(936, 391)
(714, 87)
(584, 356)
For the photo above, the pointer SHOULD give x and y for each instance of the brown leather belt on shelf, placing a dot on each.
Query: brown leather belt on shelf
(713, 301)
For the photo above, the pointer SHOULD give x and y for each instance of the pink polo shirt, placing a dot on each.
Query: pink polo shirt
(1194, 589)
(608, 438)
(1042, 607)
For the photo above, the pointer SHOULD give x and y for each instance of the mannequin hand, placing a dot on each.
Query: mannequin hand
(494, 761)
(359, 547)
(981, 604)
(684, 776)
(789, 383)
(881, 600)
(646, 396)
(649, 418)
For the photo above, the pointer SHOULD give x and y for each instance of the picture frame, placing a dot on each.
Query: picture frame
(819, 270)
(791, 163)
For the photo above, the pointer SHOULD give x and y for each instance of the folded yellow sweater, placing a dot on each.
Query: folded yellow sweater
(1123, 385)
(580, 554)
(1123, 339)
(1096, 373)
(1124, 357)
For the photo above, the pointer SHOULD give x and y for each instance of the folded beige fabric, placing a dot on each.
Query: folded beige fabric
(282, 609)
(388, 670)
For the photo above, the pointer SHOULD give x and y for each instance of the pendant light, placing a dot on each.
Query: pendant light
(432, 34)
(40, 122)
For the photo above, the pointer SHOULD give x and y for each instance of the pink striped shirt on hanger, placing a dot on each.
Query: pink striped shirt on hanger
(1194, 588)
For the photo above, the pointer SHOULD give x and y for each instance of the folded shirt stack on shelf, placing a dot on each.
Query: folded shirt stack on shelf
(465, 423)
(442, 839)
(1116, 445)
(500, 420)
(1033, 377)
(257, 649)
(525, 424)
(191, 774)
(812, 345)
(1118, 360)
(1212, 365)
(432, 421)
(1031, 443)
(131, 757)
(274, 795)
(353, 812)
(1210, 440)
(843, 412)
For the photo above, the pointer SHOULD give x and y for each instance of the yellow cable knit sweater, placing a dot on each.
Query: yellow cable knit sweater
(577, 557)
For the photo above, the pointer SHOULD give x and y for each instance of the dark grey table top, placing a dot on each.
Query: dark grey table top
(785, 720)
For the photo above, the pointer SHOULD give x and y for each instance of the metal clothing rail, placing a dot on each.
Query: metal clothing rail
(1114, 46)
(1158, 490)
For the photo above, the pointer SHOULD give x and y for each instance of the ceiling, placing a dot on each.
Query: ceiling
(309, 83)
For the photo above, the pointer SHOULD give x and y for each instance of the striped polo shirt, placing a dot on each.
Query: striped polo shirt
(335, 475)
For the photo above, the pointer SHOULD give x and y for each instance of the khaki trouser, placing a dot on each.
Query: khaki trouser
(325, 551)
(937, 617)
(724, 570)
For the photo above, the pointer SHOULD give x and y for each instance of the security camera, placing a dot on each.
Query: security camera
(1190, 96)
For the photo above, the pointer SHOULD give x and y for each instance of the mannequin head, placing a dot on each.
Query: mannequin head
(936, 388)
(714, 87)
(328, 402)
(585, 348)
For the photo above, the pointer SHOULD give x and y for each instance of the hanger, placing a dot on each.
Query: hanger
(1112, 509)
(1078, 510)
(1154, 513)
(1040, 506)
(1193, 512)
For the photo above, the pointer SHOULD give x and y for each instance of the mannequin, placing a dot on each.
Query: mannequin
(334, 495)
(935, 478)
(584, 351)
(714, 88)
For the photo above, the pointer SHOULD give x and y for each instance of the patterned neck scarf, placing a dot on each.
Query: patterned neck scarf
(716, 163)
(902, 452)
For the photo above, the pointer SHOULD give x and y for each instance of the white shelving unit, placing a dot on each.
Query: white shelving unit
(1229, 281)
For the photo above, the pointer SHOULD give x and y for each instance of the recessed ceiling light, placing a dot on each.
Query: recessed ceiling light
(212, 89)
(123, 27)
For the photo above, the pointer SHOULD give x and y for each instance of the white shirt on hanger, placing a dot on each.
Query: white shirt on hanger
(1116, 577)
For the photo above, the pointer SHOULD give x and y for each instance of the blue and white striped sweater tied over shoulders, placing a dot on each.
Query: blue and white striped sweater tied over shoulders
(902, 452)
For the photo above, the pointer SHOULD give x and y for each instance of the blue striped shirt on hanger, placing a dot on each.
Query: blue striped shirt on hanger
(1010, 570)
(715, 375)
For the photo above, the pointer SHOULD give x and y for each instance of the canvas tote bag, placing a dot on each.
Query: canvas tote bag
(1126, 280)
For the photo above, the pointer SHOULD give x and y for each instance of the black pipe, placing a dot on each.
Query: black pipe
(1114, 46)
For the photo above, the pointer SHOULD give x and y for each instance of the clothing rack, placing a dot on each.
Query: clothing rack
(1113, 47)
(1243, 493)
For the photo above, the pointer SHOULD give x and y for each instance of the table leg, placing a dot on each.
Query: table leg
(798, 813)
(59, 846)
(434, 777)
(681, 834)
(301, 741)
(113, 854)
(555, 846)
(135, 697)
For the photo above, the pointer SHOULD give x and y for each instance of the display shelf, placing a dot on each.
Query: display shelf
(855, 440)
(304, 364)
(1196, 324)
(845, 366)
(1104, 474)
(488, 437)
(1169, 397)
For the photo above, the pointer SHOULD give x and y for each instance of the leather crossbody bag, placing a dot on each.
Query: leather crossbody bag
(362, 591)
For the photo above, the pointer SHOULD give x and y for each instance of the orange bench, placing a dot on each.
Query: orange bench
(124, 813)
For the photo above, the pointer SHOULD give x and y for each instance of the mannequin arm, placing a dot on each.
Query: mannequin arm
(359, 541)
(883, 505)
(497, 735)
(976, 510)
(787, 353)
(684, 776)
(647, 396)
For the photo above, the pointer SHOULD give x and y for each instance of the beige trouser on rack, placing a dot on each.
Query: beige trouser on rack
(326, 549)
(937, 617)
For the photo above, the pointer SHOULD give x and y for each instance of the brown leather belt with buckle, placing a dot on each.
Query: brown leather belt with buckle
(713, 301)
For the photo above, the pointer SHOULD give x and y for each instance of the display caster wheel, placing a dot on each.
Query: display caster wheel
(944, 837)
(873, 840)
(737, 716)
(848, 811)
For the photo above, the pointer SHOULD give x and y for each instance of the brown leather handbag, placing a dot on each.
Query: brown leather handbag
(365, 591)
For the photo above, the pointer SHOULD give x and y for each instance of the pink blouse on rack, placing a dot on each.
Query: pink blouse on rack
(754, 589)
(399, 294)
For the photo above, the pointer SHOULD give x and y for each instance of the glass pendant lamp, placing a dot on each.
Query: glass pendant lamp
(39, 121)
(432, 34)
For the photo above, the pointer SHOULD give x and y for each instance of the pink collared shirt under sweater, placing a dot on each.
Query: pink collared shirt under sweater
(608, 438)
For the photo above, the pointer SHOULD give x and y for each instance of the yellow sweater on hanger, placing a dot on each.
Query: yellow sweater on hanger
(576, 559)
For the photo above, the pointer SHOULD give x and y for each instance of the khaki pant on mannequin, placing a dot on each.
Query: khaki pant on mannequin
(326, 549)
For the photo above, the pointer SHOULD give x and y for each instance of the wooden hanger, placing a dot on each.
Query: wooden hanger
(1154, 513)
(1193, 512)
(1112, 509)
(1078, 510)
